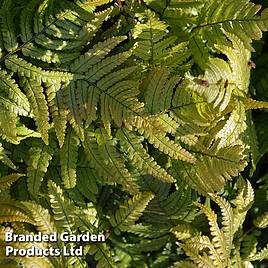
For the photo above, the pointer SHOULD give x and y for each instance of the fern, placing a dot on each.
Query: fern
(68, 155)
(61, 207)
(6, 181)
(41, 154)
(116, 117)
(217, 250)
(130, 211)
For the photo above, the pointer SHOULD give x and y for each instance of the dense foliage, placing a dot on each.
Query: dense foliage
(133, 119)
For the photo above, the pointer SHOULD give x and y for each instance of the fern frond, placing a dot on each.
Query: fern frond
(158, 90)
(120, 104)
(87, 182)
(216, 166)
(103, 156)
(62, 214)
(261, 255)
(167, 210)
(150, 245)
(8, 26)
(104, 67)
(12, 98)
(243, 202)
(130, 211)
(6, 181)
(190, 107)
(149, 33)
(102, 255)
(183, 231)
(68, 159)
(132, 145)
(251, 104)
(154, 130)
(57, 109)
(24, 68)
(234, 126)
(73, 103)
(5, 159)
(35, 94)
(40, 156)
(248, 246)
(114, 162)
(217, 17)
(8, 121)
(218, 238)
(226, 221)
(239, 75)
(95, 55)
(12, 211)
(192, 247)
(155, 45)
(41, 216)
(180, 14)
(261, 221)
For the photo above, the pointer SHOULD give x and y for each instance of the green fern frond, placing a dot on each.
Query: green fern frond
(183, 231)
(218, 238)
(248, 246)
(261, 255)
(102, 255)
(41, 216)
(8, 26)
(8, 180)
(132, 145)
(68, 159)
(234, 126)
(12, 211)
(150, 33)
(242, 202)
(104, 67)
(226, 221)
(57, 109)
(158, 90)
(103, 156)
(130, 211)
(154, 45)
(62, 214)
(216, 17)
(180, 14)
(95, 55)
(115, 162)
(12, 98)
(153, 129)
(73, 103)
(150, 245)
(199, 243)
(262, 221)
(35, 94)
(168, 210)
(26, 69)
(190, 107)
(87, 182)
(216, 165)
(8, 130)
(251, 104)
(5, 159)
(240, 76)
(40, 156)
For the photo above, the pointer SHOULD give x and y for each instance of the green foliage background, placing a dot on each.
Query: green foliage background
(145, 121)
